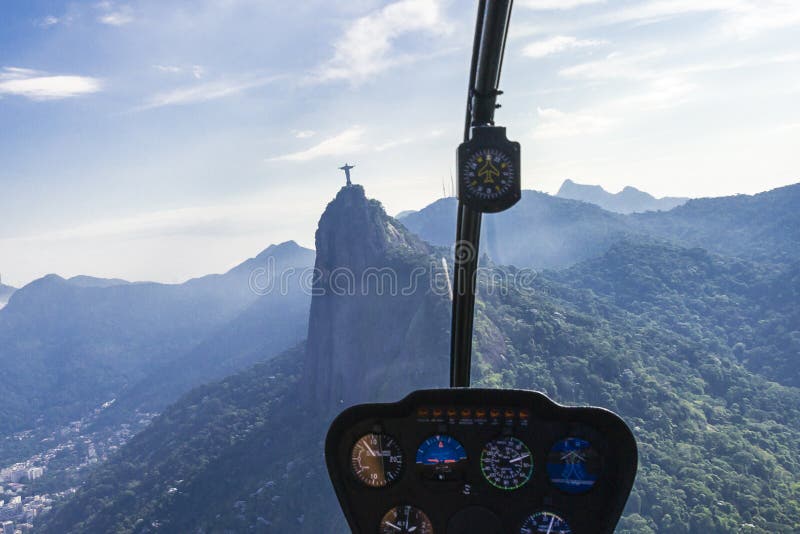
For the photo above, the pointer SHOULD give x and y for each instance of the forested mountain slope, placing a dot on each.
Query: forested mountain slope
(550, 232)
(67, 346)
(751, 308)
(718, 443)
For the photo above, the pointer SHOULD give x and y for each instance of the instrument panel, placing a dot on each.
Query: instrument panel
(452, 461)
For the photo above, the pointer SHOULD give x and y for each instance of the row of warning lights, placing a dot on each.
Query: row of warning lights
(468, 413)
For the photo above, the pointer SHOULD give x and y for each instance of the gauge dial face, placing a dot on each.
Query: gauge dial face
(507, 463)
(488, 173)
(405, 519)
(573, 465)
(545, 522)
(441, 457)
(376, 460)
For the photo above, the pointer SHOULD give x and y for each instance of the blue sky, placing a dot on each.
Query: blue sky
(163, 140)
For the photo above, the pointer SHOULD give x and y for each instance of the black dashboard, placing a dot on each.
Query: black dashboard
(480, 461)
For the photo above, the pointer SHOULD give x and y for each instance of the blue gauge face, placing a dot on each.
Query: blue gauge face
(441, 457)
(545, 522)
(573, 465)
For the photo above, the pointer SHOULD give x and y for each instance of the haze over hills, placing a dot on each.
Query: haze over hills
(5, 294)
(629, 200)
(542, 231)
(675, 339)
(68, 346)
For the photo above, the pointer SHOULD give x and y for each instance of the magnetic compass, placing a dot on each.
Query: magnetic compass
(489, 170)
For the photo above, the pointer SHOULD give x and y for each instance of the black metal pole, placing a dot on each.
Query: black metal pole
(491, 30)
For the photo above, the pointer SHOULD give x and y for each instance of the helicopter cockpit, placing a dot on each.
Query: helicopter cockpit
(461, 460)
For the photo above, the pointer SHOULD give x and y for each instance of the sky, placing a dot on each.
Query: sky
(162, 140)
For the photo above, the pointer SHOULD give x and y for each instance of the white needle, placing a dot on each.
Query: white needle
(412, 529)
(393, 526)
(371, 452)
(549, 528)
(518, 458)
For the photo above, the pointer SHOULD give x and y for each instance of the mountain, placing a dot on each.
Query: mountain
(68, 346)
(750, 308)
(5, 294)
(91, 281)
(718, 443)
(541, 231)
(550, 232)
(367, 262)
(763, 227)
(629, 200)
(371, 317)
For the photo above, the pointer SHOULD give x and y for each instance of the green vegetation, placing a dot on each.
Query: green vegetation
(718, 442)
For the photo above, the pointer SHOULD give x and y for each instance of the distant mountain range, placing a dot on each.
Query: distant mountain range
(629, 200)
(68, 346)
(550, 232)
(686, 344)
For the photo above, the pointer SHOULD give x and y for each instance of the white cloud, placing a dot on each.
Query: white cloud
(303, 134)
(739, 18)
(616, 66)
(113, 15)
(557, 124)
(557, 4)
(558, 44)
(756, 18)
(367, 45)
(115, 19)
(394, 143)
(37, 85)
(197, 71)
(48, 21)
(347, 142)
(204, 92)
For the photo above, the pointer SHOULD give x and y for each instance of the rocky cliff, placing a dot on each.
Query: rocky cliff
(374, 313)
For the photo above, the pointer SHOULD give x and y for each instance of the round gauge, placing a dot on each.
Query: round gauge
(507, 463)
(488, 173)
(545, 522)
(440, 457)
(405, 519)
(376, 460)
(573, 465)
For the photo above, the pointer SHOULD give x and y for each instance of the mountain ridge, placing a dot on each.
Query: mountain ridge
(718, 443)
(628, 200)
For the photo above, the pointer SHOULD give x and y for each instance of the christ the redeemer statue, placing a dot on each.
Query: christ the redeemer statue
(346, 170)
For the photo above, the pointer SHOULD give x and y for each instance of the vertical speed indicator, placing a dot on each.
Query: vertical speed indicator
(376, 460)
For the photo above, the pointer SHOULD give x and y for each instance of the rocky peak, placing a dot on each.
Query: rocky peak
(373, 313)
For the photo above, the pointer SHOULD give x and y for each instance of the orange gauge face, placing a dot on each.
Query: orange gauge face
(376, 460)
